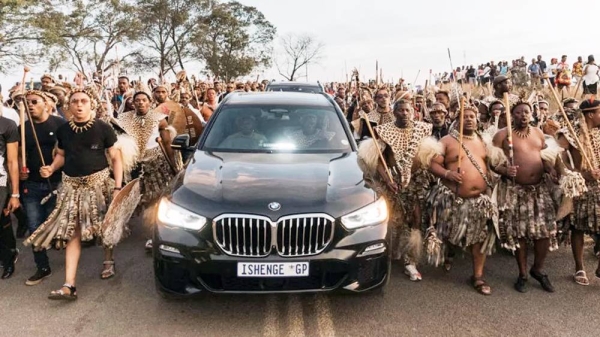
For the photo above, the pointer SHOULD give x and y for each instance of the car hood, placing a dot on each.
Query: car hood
(217, 183)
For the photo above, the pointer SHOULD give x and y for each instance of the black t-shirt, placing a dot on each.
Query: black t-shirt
(85, 152)
(8, 134)
(46, 133)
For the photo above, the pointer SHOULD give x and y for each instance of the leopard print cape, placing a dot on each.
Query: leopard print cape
(404, 143)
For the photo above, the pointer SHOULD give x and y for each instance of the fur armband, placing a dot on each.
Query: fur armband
(572, 184)
(551, 151)
(428, 150)
(495, 154)
(172, 131)
(129, 151)
(368, 158)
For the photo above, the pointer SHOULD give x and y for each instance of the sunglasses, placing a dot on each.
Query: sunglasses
(33, 102)
(82, 101)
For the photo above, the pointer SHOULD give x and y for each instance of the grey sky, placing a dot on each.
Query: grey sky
(408, 36)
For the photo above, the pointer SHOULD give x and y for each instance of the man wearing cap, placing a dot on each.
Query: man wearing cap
(438, 115)
(586, 206)
(61, 97)
(47, 82)
(161, 94)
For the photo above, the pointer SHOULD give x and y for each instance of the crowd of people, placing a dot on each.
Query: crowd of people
(560, 73)
(461, 169)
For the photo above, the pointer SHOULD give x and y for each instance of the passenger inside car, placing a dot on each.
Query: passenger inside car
(247, 138)
(311, 133)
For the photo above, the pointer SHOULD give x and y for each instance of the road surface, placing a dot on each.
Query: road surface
(443, 304)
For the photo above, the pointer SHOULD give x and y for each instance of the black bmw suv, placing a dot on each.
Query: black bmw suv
(272, 200)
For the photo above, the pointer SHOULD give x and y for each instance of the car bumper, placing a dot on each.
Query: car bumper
(184, 264)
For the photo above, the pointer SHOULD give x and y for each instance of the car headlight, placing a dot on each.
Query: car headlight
(370, 215)
(172, 215)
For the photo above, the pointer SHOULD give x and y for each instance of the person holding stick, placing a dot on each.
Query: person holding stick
(156, 164)
(401, 178)
(382, 113)
(86, 189)
(460, 209)
(525, 204)
(583, 219)
(40, 139)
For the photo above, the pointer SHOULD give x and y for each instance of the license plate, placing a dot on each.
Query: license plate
(272, 269)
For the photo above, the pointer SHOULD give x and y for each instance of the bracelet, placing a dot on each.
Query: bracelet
(16, 195)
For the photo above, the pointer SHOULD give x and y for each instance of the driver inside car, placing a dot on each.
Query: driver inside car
(310, 135)
(247, 138)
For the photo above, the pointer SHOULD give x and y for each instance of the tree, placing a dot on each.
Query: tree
(234, 40)
(17, 39)
(298, 51)
(85, 32)
(168, 28)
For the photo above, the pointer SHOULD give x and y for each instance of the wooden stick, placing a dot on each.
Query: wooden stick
(569, 126)
(509, 137)
(22, 121)
(574, 94)
(461, 132)
(379, 153)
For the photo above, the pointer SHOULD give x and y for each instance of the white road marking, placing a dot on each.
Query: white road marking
(295, 317)
(324, 317)
(271, 326)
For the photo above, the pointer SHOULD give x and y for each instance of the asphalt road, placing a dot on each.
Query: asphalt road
(443, 304)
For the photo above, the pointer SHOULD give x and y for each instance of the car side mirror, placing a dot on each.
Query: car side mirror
(181, 143)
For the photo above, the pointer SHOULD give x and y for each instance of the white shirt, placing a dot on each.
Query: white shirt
(10, 113)
(591, 74)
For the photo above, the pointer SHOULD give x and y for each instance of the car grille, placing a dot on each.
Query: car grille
(303, 236)
(244, 236)
(254, 236)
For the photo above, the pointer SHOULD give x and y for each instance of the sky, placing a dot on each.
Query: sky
(412, 37)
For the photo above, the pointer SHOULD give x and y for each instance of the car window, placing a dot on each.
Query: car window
(308, 89)
(277, 129)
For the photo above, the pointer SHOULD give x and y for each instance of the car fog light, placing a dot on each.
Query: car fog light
(169, 249)
(373, 249)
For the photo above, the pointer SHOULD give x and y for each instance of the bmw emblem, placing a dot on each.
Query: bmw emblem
(274, 206)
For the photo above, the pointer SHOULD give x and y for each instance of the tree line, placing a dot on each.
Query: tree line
(229, 38)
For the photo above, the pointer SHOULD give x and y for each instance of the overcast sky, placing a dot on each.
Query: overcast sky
(408, 36)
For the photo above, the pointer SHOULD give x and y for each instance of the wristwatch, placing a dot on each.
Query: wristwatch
(17, 195)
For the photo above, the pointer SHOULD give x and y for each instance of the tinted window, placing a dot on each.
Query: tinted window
(295, 88)
(277, 128)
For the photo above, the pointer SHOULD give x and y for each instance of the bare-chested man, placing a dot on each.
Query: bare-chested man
(526, 209)
(584, 218)
(460, 208)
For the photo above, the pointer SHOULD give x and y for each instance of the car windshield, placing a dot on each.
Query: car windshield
(278, 128)
(295, 88)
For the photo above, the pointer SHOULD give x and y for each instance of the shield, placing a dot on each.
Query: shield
(185, 121)
(114, 226)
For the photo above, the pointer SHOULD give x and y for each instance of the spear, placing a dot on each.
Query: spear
(569, 126)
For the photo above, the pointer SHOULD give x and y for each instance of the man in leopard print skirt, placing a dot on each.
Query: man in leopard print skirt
(399, 142)
(155, 166)
(86, 189)
(460, 208)
(585, 217)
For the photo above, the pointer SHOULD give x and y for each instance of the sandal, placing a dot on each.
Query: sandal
(109, 271)
(580, 278)
(60, 294)
(481, 285)
(411, 271)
